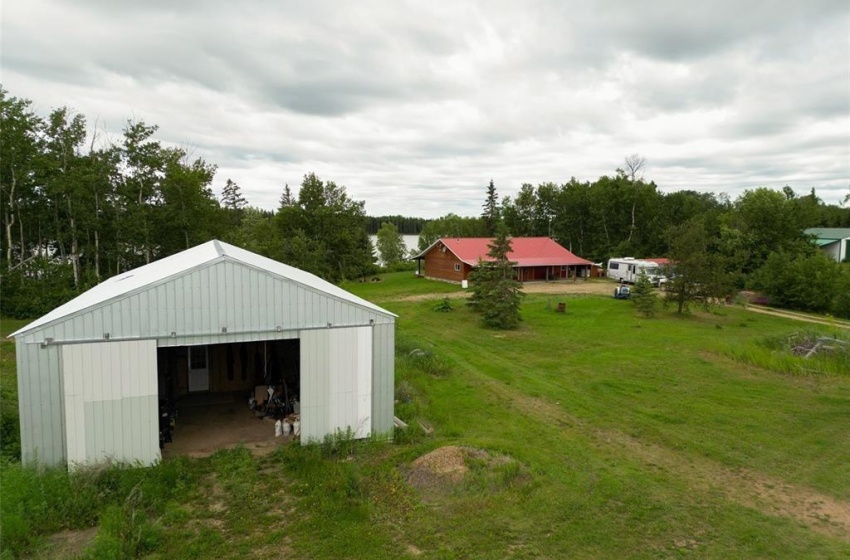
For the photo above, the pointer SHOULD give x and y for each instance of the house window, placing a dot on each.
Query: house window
(457, 267)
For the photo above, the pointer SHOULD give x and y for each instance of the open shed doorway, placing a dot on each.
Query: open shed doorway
(236, 407)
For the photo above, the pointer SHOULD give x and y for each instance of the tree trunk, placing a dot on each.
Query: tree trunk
(10, 221)
(97, 256)
(75, 257)
(145, 236)
(21, 257)
(581, 237)
(58, 230)
(605, 229)
(117, 240)
(96, 238)
(93, 156)
(185, 221)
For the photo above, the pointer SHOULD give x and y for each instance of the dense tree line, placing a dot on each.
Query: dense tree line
(76, 209)
(619, 216)
(756, 241)
(406, 225)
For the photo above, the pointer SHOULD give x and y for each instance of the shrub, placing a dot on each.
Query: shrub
(841, 303)
(10, 431)
(644, 297)
(803, 282)
(444, 306)
(37, 288)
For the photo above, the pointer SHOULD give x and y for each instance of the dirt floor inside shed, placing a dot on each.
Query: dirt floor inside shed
(213, 421)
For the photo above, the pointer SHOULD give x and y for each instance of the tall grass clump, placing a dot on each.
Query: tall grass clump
(808, 352)
(341, 443)
(41, 502)
(417, 364)
(126, 530)
(329, 485)
(424, 360)
(347, 496)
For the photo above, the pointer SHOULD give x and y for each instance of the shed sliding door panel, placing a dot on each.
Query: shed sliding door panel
(336, 382)
(111, 402)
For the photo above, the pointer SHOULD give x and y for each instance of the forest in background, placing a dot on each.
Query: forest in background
(77, 209)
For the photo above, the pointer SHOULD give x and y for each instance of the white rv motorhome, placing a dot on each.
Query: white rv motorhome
(629, 269)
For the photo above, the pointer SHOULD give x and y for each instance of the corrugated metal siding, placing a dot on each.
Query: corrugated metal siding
(226, 338)
(251, 304)
(110, 391)
(205, 301)
(351, 380)
(336, 386)
(383, 380)
(315, 362)
(40, 404)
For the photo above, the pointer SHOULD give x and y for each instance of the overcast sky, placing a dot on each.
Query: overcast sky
(415, 106)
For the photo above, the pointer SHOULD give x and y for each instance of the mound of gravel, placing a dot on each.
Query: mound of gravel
(444, 464)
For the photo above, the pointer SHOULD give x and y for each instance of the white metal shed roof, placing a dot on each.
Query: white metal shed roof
(182, 262)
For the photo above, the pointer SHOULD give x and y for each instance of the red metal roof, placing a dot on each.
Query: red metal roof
(660, 261)
(525, 251)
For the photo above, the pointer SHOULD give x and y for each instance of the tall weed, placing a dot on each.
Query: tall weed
(787, 353)
(126, 530)
(41, 502)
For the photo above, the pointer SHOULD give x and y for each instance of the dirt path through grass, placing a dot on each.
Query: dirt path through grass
(798, 316)
(554, 288)
(769, 495)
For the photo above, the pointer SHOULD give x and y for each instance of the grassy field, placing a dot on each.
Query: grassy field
(585, 434)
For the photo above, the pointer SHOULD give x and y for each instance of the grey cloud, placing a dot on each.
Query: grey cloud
(389, 97)
(666, 92)
(672, 30)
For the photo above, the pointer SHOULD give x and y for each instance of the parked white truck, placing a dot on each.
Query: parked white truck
(629, 269)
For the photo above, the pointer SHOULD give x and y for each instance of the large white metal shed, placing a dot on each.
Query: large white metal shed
(91, 372)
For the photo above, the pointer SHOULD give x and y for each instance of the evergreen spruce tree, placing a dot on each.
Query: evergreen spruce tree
(644, 297)
(231, 197)
(491, 210)
(287, 199)
(495, 292)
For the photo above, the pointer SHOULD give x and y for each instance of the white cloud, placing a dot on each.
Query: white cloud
(416, 107)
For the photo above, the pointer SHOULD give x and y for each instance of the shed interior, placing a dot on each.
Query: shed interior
(217, 396)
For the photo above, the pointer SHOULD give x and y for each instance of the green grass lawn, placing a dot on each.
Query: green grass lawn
(611, 436)
(399, 285)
